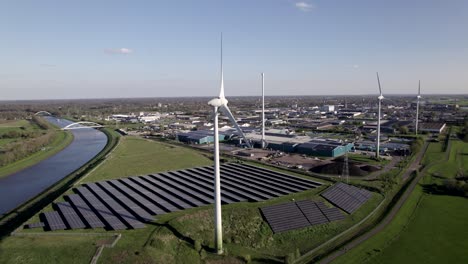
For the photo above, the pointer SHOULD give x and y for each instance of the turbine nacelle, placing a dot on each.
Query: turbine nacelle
(218, 102)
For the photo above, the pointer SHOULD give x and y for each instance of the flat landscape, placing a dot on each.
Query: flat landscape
(430, 228)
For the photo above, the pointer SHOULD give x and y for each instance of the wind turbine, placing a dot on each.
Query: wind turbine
(263, 111)
(377, 153)
(220, 104)
(417, 107)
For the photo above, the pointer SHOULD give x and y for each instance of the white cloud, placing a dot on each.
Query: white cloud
(119, 51)
(355, 66)
(304, 6)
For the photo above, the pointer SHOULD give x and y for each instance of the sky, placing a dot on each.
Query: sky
(110, 49)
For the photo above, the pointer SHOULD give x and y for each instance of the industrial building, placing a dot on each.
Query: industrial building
(200, 137)
(324, 148)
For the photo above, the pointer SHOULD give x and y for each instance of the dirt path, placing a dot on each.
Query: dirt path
(356, 242)
(387, 168)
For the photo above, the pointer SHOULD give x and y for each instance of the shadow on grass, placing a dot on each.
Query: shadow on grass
(437, 189)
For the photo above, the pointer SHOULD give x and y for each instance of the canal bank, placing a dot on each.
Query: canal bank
(72, 162)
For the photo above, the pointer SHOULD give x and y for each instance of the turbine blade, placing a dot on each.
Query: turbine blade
(378, 81)
(419, 88)
(221, 92)
(227, 112)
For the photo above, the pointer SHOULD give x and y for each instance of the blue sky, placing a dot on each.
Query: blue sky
(95, 49)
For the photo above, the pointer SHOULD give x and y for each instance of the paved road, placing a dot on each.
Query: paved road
(356, 242)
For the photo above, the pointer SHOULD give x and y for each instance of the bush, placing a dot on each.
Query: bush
(197, 245)
(203, 254)
(289, 258)
(298, 253)
(247, 259)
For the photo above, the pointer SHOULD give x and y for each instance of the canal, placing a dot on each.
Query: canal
(21, 186)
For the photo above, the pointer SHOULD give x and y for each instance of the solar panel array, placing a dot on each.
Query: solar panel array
(130, 202)
(347, 197)
(300, 214)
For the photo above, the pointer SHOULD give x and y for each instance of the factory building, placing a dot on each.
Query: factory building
(324, 148)
(200, 137)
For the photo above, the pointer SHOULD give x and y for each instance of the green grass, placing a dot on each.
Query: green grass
(366, 159)
(62, 140)
(136, 156)
(439, 231)
(48, 249)
(428, 229)
(458, 161)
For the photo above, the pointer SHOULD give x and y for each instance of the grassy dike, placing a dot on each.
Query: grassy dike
(62, 140)
(429, 228)
(12, 220)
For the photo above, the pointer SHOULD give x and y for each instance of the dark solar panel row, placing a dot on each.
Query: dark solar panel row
(115, 207)
(132, 182)
(125, 203)
(312, 212)
(207, 177)
(278, 182)
(54, 221)
(302, 181)
(331, 213)
(69, 214)
(348, 198)
(300, 214)
(251, 194)
(145, 203)
(88, 214)
(270, 176)
(103, 211)
(284, 217)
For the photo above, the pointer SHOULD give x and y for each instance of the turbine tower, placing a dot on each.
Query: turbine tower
(377, 151)
(417, 108)
(220, 104)
(263, 111)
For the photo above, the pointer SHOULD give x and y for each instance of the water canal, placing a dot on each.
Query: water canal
(21, 186)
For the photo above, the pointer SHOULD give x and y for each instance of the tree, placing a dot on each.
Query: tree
(403, 129)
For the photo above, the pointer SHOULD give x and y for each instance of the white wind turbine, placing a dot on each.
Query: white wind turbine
(220, 104)
(377, 152)
(417, 108)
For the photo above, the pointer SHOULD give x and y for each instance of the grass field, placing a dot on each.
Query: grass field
(48, 249)
(458, 161)
(136, 156)
(428, 228)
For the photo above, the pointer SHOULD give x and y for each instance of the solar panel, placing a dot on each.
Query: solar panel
(332, 213)
(127, 203)
(238, 187)
(277, 182)
(100, 209)
(284, 217)
(82, 207)
(69, 214)
(269, 188)
(54, 221)
(196, 198)
(312, 212)
(150, 206)
(115, 207)
(159, 199)
(303, 181)
(225, 190)
(348, 198)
